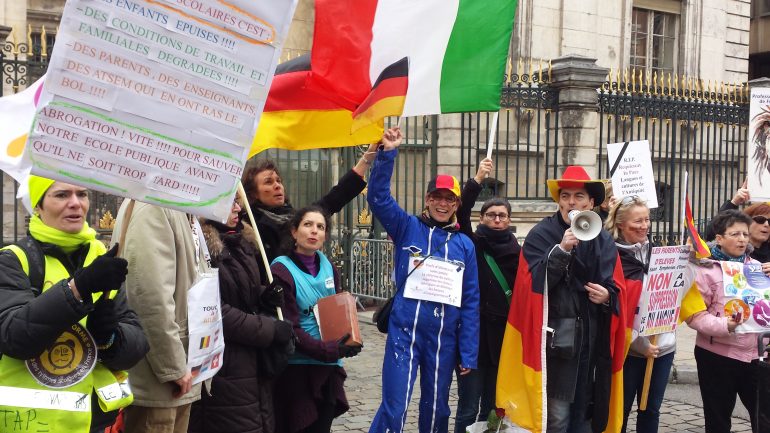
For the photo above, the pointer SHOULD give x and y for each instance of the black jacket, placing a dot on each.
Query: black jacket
(273, 233)
(493, 303)
(30, 321)
(240, 400)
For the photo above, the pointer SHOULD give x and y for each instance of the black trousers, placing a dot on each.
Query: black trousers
(721, 380)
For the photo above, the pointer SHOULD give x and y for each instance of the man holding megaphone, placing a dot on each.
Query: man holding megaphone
(571, 263)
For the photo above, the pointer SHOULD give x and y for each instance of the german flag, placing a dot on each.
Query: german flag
(701, 249)
(386, 98)
(297, 118)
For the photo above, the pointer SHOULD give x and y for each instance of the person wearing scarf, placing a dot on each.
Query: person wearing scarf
(60, 296)
(272, 210)
(723, 357)
(494, 242)
(629, 222)
(241, 397)
(423, 333)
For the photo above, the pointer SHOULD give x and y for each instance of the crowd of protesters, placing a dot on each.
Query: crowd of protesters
(111, 327)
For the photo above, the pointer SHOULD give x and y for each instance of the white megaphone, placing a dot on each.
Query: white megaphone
(586, 224)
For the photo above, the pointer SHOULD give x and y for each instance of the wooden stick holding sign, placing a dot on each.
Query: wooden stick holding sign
(647, 378)
(492, 132)
(253, 222)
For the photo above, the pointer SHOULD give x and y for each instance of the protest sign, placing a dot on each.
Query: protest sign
(631, 171)
(666, 282)
(758, 160)
(158, 100)
(747, 295)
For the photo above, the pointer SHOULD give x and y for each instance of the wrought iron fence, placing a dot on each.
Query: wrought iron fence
(526, 138)
(692, 127)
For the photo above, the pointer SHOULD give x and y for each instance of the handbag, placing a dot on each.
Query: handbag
(565, 337)
(381, 315)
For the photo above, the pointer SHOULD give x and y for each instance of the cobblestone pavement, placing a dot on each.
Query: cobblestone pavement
(364, 383)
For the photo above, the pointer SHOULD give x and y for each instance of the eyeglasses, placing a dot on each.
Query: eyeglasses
(737, 235)
(493, 216)
(760, 219)
(451, 199)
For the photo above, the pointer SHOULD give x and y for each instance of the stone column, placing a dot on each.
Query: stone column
(578, 78)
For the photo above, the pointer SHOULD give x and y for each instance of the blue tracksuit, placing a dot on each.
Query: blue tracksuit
(431, 336)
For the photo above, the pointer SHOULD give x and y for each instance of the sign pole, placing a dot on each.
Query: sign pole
(647, 377)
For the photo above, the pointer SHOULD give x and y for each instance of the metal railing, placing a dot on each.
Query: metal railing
(372, 268)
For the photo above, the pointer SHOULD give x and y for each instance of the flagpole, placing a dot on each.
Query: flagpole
(492, 133)
(269, 274)
(684, 199)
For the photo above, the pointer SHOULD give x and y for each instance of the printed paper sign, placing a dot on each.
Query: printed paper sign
(158, 100)
(206, 347)
(435, 280)
(747, 295)
(758, 161)
(632, 174)
(667, 280)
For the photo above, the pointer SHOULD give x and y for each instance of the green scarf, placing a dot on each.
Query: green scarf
(68, 242)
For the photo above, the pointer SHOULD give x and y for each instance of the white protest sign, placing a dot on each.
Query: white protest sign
(158, 100)
(206, 344)
(747, 295)
(435, 279)
(665, 284)
(631, 171)
(758, 161)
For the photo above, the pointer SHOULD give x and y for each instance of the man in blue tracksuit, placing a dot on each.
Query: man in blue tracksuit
(434, 323)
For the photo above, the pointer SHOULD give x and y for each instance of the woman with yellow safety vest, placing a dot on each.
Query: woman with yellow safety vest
(66, 333)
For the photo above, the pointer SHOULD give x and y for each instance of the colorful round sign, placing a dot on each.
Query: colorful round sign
(761, 313)
(756, 278)
(736, 307)
(67, 361)
(750, 296)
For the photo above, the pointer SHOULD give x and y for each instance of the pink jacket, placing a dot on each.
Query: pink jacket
(712, 324)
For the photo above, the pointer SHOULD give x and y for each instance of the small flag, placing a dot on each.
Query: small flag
(701, 249)
(386, 98)
(205, 341)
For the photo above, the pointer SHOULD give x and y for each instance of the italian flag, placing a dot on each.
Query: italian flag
(456, 51)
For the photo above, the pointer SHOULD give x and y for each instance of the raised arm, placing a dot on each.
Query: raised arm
(383, 205)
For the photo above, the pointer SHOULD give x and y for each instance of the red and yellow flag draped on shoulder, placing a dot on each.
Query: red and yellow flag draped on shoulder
(521, 385)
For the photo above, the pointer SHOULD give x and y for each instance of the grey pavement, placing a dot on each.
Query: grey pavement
(681, 411)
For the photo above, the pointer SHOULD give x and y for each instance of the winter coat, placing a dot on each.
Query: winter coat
(240, 400)
(273, 222)
(761, 254)
(493, 303)
(711, 324)
(592, 261)
(302, 388)
(30, 319)
(162, 267)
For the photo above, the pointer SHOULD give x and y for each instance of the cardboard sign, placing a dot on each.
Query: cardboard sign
(758, 160)
(435, 279)
(665, 284)
(747, 295)
(631, 171)
(158, 100)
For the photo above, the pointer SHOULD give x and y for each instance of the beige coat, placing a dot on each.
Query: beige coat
(162, 266)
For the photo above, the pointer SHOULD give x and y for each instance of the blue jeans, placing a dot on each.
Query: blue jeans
(566, 417)
(475, 396)
(633, 379)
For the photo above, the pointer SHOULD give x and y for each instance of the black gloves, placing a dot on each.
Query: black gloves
(105, 273)
(103, 321)
(346, 351)
(283, 331)
(272, 296)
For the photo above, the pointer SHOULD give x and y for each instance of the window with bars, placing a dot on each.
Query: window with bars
(654, 41)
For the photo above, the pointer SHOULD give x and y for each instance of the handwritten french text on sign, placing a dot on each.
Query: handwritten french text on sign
(435, 280)
(747, 295)
(758, 162)
(158, 100)
(633, 175)
(666, 282)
